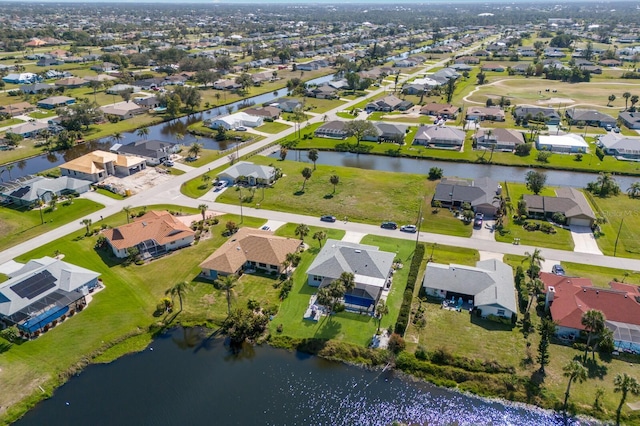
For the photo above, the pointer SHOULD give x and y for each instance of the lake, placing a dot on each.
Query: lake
(184, 378)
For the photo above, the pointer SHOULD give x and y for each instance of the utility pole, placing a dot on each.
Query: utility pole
(615, 246)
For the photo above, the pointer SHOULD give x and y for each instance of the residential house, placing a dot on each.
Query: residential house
(548, 115)
(148, 102)
(493, 113)
(569, 143)
(249, 249)
(29, 190)
(610, 63)
(54, 102)
(332, 129)
(590, 117)
(446, 111)
(97, 165)
(568, 298)
(386, 104)
(622, 147)
(49, 61)
(105, 67)
(239, 119)
(123, 110)
(467, 60)
(18, 108)
(226, 84)
(119, 88)
(491, 66)
(36, 88)
(72, 82)
(29, 129)
(440, 137)
(153, 151)
(488, 287)
(44, 292)
(153, 234)
(21, 78)
(286, 104)
(387, 132)
(480, 193)
(372, 269)
(500, 139)
(630, 119)
(267, 112)
(324, 91)
(569, 201)
(249, 174)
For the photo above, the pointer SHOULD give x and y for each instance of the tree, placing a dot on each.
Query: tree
(481, 78)
(611, 99)
(302, 231)
(626, 96)
(226, 283)
(435, 173)
(95, 85)
(178, 289)
(360, 129)
(348, 280)
(283, 153)
(381, 310)
(450, 89)
(173, 105)
(306, 174)
(87, 223)
(535, 181)
(320, 236)
(127, 211)
(143, 132)
(534, 260)
(203, 210)
(575, 371)
(313, 156)
(634, 100)
(194, 149)
(543, 156)
(634, 190)
(593, 322)
(605, 185)
(335, 180)
(546, 329)
(623, 383)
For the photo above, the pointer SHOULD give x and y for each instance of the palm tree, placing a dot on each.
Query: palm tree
(306, 174)
(87, 223)
(611, 99)
(117, 137)
(381, 310)
(302, 231)
(203, 210)
(227, 283)
(313, 156)
(348, 280)
(127, 211)
(634, 190)
(46, 135)
(535, 260)
(634, 100)
(320, 236)
(626, 96)
(604, 180)
(335, 180)
(575, 371)
(624, 384)
(143, 132)
(178, 289)
(195, 149)
(593, 322)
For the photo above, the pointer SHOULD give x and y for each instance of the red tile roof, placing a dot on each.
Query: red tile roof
(575, 296)
(160, 226)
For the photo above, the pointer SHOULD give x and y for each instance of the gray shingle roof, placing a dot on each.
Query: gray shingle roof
(477, 192)
(245, 168)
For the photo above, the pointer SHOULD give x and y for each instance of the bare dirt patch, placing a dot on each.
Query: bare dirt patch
(144, 179)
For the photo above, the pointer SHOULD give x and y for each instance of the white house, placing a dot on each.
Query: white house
(570, 142)
(249, 173)
(239, 119)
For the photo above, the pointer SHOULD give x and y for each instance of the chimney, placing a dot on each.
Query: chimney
(551, 292)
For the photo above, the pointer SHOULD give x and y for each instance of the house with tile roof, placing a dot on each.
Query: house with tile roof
(443, 110)
(500, 139)
(487, 287)
(372, 269)
(249, 249)
(386, 104)
(42, 292)
(153, 234)
(568, 298)
(569, 201)
(479, 193)
(493, 113)
(97, 165)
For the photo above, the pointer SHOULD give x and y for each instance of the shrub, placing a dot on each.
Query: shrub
(421, 353)
(396, 343)
(407, 297)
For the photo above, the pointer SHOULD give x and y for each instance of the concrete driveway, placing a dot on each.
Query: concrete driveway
(486, 231)
(583, 240)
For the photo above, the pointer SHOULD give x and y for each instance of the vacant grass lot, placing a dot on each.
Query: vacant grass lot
(273, 127)
(362, 195)
(20, 225)
(623, 217)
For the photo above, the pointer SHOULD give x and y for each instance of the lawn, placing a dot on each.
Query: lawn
(320, 106)
(273, 127)
(10, 122)
(623, 217)
(109, 194)
(42, 114)
(346, 115)
(349, 199)
(20, 225)
(560, 240)
(27, 148)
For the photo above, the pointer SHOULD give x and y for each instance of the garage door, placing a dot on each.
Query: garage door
(579, 222)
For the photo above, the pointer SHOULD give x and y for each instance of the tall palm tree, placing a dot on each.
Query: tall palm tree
(127, 211)
(320, 236)
(227, 283)
(143, 132)
(535, 260)
(203, 210)
(306, 174)
(46, 135)
(313, 156)
(302, 231)
(576, 372)
(381, 310)
(178, 289)
(626, 96)
(195, 149)
(634, 190)
(87, 223)
(624, 384)
(348, 280)
(335, 180)
(593, 322)
(604, 180)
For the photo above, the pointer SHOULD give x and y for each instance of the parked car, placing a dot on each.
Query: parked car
(327, 218)
(408, 228)
(220, 185)
(389, 225)
(265, 228)
(557, 269)
(616, 129)
(608, 127)
(477, 222)
(168, 163)
(241, 129)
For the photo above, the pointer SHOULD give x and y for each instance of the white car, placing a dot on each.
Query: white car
(168, 163)
(241, 129)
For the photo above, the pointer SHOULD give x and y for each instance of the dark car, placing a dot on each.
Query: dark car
(389, 225)
(557, 269)
(328, 218)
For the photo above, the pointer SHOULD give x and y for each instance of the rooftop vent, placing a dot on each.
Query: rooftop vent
(358, 251)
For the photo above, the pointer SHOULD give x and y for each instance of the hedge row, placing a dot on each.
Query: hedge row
(407, 298)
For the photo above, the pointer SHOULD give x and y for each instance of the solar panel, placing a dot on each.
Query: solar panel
(35, 285)
(20, 192)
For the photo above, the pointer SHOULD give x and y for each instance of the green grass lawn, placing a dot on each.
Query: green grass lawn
(42, 114)
(320, 106)
(109, 194)
(345, 115)
(10, 122)
(623, 217)
(380, 201)
(19, 225)
(273, 127)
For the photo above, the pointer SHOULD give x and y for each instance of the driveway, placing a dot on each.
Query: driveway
(353, 237)
(583, 240)
(486, 231)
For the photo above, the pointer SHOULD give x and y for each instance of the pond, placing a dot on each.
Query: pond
(186, 378)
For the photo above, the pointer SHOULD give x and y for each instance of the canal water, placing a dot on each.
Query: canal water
(464, 170)
(184, 378)
(166, 131)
